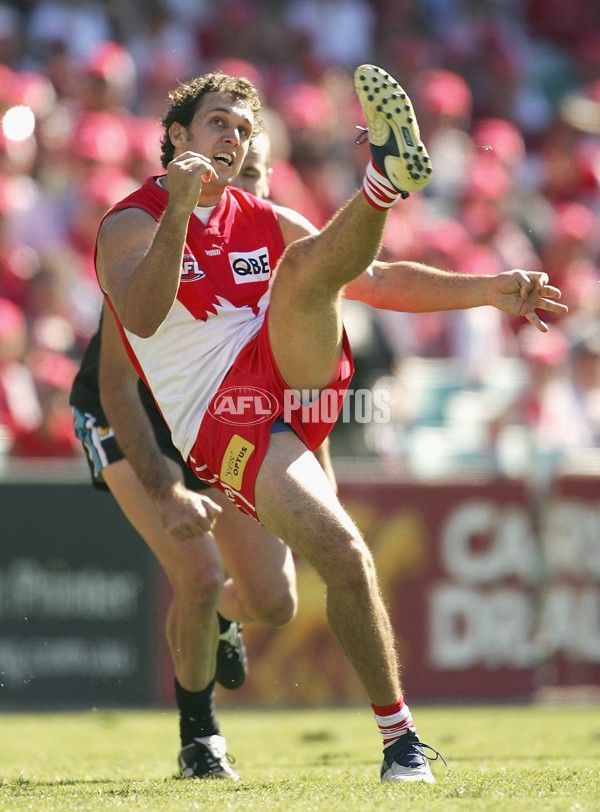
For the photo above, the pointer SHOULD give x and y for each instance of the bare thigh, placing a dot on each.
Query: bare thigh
(305, 324)
(295, 499)
(305, 332)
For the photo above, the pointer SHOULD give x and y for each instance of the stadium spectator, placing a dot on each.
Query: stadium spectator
(585, 379)
(19, 405)
(548, 409)
(63, 27)
(53, 374)
(163, 48)
(331, 32)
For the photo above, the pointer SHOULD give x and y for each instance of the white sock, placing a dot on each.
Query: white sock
(393, 721)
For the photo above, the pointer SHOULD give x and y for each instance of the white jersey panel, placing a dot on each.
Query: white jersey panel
(186, 360)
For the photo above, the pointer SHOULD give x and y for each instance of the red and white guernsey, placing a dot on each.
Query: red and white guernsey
(220, 306)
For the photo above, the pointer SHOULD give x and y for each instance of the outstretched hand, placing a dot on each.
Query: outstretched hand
(521, 293)
(186, 514)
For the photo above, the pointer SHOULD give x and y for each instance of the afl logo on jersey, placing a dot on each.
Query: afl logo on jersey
(251, 266)
(190, 270)
(243, 405)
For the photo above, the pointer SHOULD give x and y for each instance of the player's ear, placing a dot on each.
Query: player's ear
(177, 134)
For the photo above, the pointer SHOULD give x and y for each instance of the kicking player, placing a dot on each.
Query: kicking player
(215, 291)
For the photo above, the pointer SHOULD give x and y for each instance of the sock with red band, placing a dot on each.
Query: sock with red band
(378, 190)
(393, 721)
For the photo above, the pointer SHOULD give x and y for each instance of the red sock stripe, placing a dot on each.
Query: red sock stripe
(379, 192)
(369, 198)
(393, 720)
(377, 189)
(377, 200)
(388, 710)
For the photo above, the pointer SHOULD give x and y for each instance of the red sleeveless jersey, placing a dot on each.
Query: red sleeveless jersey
(222, 298)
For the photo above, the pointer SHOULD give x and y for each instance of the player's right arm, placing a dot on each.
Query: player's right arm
(139, 261)
(184, 514)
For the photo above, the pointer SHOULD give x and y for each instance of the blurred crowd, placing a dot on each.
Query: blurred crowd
(508, 97)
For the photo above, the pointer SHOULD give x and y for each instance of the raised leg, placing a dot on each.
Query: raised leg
(305, 325)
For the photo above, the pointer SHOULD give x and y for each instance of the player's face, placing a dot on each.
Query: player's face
(255, 172)
(221, 130)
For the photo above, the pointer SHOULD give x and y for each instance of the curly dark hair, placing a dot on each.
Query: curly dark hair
(187, 97)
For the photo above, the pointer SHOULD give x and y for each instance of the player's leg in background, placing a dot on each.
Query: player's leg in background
(260, 584)
(195, 571)
(260, 565)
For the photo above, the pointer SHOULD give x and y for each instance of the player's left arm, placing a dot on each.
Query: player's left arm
(417, 288)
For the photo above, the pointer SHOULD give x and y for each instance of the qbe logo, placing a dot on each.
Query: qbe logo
(252, 266)
(243, 406)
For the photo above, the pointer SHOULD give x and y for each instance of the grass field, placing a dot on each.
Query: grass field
(504, 757)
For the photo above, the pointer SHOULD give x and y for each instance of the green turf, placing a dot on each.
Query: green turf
(502, 758)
